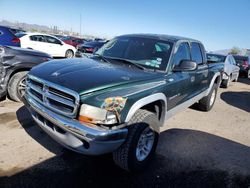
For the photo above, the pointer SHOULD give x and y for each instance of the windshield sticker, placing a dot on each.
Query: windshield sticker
(154, 62)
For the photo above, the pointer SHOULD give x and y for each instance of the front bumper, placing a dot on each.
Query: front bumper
(74, 135)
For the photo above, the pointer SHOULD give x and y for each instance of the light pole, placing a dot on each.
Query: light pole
(80, 24)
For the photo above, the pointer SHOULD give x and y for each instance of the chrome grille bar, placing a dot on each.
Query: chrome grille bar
(57, 98)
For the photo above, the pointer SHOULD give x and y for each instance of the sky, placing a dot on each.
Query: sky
(219, 24)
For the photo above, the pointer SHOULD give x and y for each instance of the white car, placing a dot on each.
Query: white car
(231, 70)
(46, 43)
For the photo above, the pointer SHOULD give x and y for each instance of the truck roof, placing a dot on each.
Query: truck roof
(171, 38)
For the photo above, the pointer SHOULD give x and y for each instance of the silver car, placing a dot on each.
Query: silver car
(231, 70)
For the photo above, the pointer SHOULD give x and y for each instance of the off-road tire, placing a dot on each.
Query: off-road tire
(13, 85)
(205, 103)
(125, 155)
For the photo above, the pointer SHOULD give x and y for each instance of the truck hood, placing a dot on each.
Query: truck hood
(87, 75)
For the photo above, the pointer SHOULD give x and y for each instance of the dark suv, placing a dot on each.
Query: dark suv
(244, 63)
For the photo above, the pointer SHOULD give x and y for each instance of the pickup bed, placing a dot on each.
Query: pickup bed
(119, 100)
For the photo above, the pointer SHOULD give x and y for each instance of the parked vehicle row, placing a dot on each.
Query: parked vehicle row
(73, 41)
(15, 62)
(88, 48)
(118, 100)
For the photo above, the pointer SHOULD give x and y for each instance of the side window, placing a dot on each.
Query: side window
(52, 40)
(183, 53)
(232, 61)
(196, 53)
(37, 38)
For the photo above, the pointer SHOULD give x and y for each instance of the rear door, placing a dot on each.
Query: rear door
(36, 42)
(199, 78)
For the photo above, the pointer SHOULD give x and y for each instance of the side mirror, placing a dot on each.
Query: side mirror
(186, 65)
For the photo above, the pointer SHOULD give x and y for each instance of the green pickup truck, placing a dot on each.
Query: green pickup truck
(118, 101)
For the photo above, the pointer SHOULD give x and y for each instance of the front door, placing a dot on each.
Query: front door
(178, 83)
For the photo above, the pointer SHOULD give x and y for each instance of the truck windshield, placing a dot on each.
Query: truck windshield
(147, 52)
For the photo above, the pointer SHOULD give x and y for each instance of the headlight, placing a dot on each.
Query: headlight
(95, 115)
(108, 114)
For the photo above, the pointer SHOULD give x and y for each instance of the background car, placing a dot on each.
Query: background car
(59, 36)
(231, 70)
(15, 63)
(89, 47)
(74, 41)
(46, 43)
(7, 37)
(244, 63)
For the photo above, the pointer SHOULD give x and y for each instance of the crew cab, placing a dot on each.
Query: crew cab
(119, 100)
(15, 63)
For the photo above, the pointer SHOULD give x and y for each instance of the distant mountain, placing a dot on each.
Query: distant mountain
(223, 52)
(25, 26)
(42, 29)
(243, 51)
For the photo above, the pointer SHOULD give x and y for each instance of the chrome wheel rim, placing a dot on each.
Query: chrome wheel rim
(21, 87)
(212, 98)
(69, 54)
(145, 144)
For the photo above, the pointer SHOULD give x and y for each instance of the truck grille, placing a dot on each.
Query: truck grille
(54, 97)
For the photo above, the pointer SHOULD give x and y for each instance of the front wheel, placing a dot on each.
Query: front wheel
(69, 54)
(206, 103)
(16, 86)
(138, 149)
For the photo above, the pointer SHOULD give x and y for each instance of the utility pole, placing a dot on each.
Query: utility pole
(80, 24)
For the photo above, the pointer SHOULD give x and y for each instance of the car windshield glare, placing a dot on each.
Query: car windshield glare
(214, 58)
(148, 52)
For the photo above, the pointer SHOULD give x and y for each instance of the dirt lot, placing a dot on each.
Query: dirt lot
(199, 149)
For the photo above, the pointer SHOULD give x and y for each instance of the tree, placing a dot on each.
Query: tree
(234, 51)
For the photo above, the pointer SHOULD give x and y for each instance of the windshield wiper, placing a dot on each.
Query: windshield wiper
(128, 62)
(102, 58)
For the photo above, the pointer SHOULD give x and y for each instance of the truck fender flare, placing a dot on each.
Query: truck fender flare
(216, 75)
(147, 100)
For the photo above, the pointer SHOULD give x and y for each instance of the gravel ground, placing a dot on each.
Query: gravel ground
(198, 149)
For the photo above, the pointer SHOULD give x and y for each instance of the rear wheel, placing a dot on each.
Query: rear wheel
(206, 103)
(139, 147)
(69, 54)
(16, 86)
